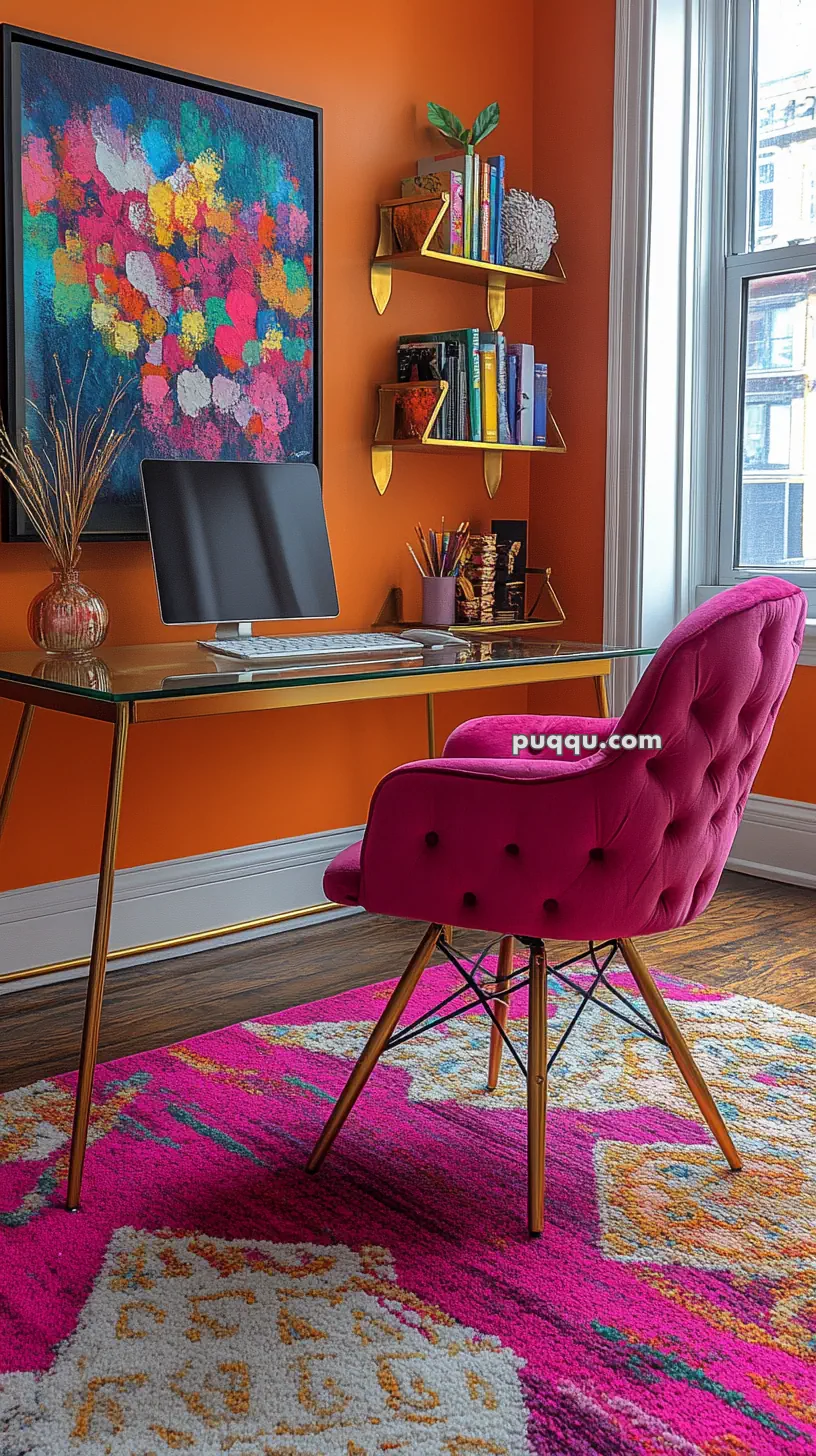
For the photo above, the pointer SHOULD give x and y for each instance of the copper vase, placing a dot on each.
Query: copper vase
(67, 618)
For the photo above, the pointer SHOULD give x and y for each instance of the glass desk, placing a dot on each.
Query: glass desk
(132, 685)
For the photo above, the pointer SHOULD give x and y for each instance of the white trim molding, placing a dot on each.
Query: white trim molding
(52, 923)
(628, 293)
(777, 841)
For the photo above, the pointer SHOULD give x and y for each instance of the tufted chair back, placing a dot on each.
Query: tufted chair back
(620, 843)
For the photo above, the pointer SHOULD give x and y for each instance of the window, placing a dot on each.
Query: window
(765, 196)
(768, 518)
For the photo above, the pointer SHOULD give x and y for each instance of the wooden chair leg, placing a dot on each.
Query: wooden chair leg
(375, 1045)
(501, 1010)
(536, 1092)
(691, 1073)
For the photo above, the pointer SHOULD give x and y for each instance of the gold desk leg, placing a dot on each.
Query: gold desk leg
(602, 696)
(690, 1072)
(536, 1091)
(99, 957)
(501, 1010)
(429, 715)
(21, 738)
(375, 1045)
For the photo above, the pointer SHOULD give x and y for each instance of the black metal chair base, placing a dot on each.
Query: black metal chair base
(484, 987)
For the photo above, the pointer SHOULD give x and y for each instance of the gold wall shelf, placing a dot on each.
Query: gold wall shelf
(496, 277)
(385, 444)
(391, 613)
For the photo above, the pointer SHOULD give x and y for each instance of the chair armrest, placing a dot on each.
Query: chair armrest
(488, 843)
(493, 737)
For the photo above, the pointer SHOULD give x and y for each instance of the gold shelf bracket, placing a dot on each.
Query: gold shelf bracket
(492, 471)
(382, 455)
(380, 285)
(382, 462)
(496, 300)
(561, 447)
(381, 272)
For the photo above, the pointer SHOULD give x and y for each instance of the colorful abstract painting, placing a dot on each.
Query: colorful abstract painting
(166, 231)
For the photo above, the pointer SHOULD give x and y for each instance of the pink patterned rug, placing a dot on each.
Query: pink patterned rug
(212, 1297)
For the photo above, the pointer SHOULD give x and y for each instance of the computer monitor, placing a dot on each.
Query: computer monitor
(236, 541)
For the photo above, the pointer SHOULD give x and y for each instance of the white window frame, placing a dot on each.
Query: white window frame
(672, 199)
(742, 266)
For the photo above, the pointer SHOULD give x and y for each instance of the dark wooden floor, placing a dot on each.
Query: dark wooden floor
(756, 937)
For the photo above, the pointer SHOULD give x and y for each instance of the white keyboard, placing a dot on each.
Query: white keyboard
(297, 649)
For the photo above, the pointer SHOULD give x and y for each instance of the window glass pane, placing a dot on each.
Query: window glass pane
(777, 498)
(785, 191)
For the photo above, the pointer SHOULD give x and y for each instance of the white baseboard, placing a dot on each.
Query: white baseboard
(46, 924)
(777, 840)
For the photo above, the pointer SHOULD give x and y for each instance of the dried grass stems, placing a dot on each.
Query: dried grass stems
(57, 484)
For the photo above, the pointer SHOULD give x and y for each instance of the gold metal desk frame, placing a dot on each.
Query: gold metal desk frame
(27, 687)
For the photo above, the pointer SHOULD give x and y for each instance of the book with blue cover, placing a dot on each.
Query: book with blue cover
(494, 208)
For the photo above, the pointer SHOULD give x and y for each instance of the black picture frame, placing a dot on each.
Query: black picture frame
(105, 523)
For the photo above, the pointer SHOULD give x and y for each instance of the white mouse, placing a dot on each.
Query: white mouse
(432, 637)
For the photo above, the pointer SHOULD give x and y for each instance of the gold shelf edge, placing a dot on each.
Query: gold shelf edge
(454, 260)
(157, 945)
(489, 447)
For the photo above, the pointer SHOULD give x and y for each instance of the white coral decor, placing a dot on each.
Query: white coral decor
(528, 231)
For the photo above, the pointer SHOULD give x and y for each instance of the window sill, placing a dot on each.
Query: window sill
(807, 655)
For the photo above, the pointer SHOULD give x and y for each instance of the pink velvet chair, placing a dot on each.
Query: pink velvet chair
(613, 845)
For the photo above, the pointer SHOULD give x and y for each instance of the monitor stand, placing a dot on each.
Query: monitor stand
(226, 630)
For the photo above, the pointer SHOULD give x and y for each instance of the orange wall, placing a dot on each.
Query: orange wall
(211, 784)
(572, 167)
(372, 70)
(574, 47)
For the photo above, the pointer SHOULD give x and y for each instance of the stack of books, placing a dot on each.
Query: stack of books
(476, 583)
(472, 228)
(497, 393)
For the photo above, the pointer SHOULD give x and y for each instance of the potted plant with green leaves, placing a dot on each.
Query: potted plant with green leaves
(453, 130)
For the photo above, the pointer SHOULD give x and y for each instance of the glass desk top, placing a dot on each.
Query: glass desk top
(183, 669)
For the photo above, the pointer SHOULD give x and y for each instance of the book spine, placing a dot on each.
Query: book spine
(512, 392)
(540, 405)
(505, 436)
(462, 420)
(468, 238)
(526, 394)
(442, 426)
(474, 385)
(484, 239)
(494, 207)
(499, 164)
(456, 213)
(490, 399)
(475, 221)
